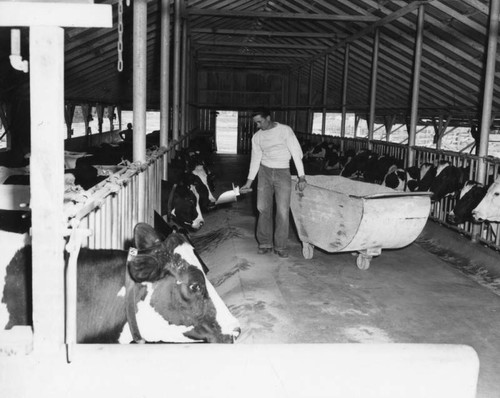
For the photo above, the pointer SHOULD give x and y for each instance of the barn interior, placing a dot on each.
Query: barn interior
(388, 63)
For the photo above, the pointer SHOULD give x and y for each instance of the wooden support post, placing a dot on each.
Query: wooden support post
(325, 94)
(164, 79)
(111, 112)
(177, 69)
(69, 111)
(100, 116)
(184, 68)
(344, 94)
(310, 113)
(373, 87)
(297, 97)
(489, 81)
(140, 94)
(47, 183)
(412, 133)
(140, 79)
(119, 115)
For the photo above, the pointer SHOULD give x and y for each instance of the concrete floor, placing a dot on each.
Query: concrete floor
(409, 295)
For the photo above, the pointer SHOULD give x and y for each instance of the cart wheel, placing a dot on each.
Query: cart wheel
(363, 262)
(307, 250)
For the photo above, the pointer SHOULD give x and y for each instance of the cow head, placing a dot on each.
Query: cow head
(470, 196)
(489, 208)
(179, 303)
(180, 203)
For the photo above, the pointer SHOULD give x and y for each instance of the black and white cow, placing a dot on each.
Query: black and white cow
(470, 196)
(489, 208)
(448, 180)
(159, 286)
(180, 203)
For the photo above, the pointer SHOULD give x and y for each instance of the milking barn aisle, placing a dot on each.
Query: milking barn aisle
(407, 295)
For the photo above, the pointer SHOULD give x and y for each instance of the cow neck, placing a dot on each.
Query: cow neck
(170, 200)
(130, 301)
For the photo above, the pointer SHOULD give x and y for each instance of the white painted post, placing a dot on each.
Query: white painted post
(47, 183)
(184, 69)
(140, 88)
(164, 78)
(139, 79)
(177, 70)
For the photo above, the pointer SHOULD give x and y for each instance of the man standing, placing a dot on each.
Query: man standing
(273, 145)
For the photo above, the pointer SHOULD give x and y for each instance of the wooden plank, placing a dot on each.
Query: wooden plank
(55, 14)
(259, 45)
(267, 33)
(280, 15)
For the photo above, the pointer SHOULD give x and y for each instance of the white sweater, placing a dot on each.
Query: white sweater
(274, 148)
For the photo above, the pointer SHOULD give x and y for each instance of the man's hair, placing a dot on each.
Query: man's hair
(264, 112)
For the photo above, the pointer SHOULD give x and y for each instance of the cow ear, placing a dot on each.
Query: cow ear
(144, 268)
(161, 226)
(145, 236)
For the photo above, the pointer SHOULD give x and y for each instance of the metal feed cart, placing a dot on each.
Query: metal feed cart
(338, 214)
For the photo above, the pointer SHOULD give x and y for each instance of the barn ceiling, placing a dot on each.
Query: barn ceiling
(294, 37)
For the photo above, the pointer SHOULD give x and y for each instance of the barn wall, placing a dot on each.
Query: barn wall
(236, 89)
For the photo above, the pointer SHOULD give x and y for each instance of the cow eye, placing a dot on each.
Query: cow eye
(195, 287)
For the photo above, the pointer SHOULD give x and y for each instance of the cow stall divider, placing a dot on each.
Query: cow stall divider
(485, 233)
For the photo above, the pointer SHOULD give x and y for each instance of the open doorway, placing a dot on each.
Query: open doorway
(226, 132)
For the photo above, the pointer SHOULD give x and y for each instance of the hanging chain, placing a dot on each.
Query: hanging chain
(120, 35)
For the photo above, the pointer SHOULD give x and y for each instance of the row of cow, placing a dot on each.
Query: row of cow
(475, 201)
(155, 292)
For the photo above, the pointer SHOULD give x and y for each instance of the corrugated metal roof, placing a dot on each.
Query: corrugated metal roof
(290, 36)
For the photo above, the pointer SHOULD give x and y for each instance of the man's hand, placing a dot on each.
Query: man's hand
(247, 187)
(301, 184)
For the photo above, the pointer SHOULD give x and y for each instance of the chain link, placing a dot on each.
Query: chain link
(120, 35)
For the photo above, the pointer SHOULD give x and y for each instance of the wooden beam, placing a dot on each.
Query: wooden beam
(363, 32)
(205, 52)
(268, 33)
(258, 45)
(282, 15)
(55, 14)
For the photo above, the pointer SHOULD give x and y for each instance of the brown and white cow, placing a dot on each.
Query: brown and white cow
(489, 208)
(162, 280)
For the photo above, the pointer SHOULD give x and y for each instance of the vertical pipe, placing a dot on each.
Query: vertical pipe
(184, 67)
(47, 182)
(139, 79)
(177, 72)
(415, 87)
(373, 87)
(165, 78)
(344, 94)
(325, 94)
